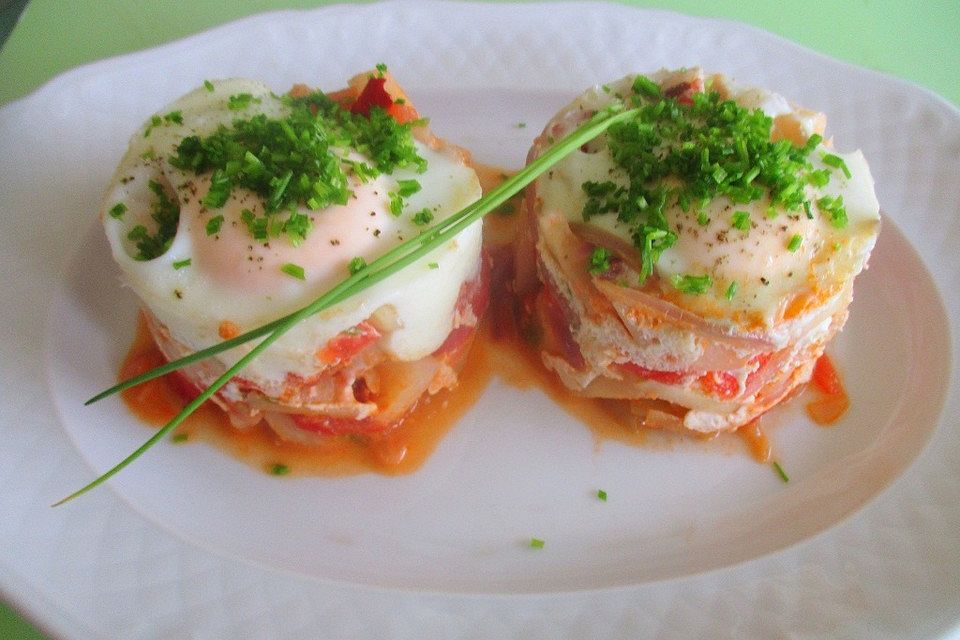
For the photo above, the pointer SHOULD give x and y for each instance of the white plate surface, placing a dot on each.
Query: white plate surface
(863, 542)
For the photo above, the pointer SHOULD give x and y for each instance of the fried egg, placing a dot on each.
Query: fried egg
(211, 277)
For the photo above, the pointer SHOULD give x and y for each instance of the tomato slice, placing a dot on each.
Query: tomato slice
(666, 377)
(403, 113)
(374, 94)
(347, 344)
(826, 378)
(328, 426)
(719, 383)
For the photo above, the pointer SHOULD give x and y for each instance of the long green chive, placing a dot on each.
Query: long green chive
(383, 267)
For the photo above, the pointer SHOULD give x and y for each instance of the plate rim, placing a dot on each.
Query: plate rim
(133, 58)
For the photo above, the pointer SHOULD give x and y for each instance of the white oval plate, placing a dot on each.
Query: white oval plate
(690, 542)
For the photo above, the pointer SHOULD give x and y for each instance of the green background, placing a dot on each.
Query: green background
(919, 42)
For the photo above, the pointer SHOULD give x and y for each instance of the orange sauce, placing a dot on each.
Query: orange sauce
(498, 349)
(758, 444)
(400, 451)
(832, 400)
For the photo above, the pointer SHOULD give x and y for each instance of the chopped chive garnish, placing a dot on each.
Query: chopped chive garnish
(819, 177)
(240, 101)
(732, 290)
(176, 117)
(219, 191)
(741, 220)
(396, 204)
(780, 471)
(383, 267)
(214, 224)
(208, 85)
(180, 264)
(423, 217)
(678, 152)
(646, 87)
(381, 69)
(795, 242)
(599, 261)
(357, 265)
(155, 121)
(165, 212)
(695, 285)
(279, 469)
(179, 437)
(601, 495)
(406, 188)
(836, 162)
(521, 125)
(117, 210)
(835, 210)
(294, 270)
(536, 543)
(433, 265)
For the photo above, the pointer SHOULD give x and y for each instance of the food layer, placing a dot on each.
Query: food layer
(696, 259)
(235, 206)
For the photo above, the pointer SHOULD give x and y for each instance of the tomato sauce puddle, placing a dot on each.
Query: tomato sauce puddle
(498, 350)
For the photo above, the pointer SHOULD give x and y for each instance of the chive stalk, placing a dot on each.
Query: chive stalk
(388, 264)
